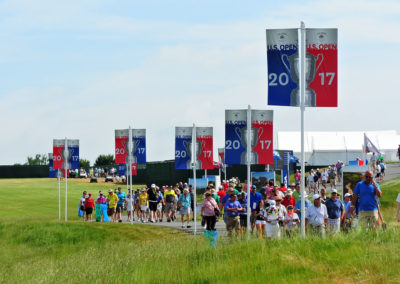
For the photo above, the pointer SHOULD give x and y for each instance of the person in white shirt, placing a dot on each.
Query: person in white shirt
(129, 201)
(311, 181)
(273, 217)
(324, 178)
(398, 208)
(317, 217)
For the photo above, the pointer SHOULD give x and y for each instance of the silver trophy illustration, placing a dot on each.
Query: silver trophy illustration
(135, 144)
(254, 136)
(311, 69)
(67, 154)
(188, 146)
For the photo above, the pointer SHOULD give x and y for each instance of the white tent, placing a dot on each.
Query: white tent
(325, 148)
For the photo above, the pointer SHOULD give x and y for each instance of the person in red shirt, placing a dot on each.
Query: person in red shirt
(297, 176)
(89, 204)
(225, 185)
(283, 188)
(221, 192)
(288, 199)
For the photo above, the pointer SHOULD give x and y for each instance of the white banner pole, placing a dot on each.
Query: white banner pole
(194, 160)
(66, 177)
(130, 146)
(302, 109)
(59, 194)
(205, 173)
(248, 168)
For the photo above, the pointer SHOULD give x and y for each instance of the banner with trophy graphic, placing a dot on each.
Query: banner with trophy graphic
(204, 148)
(320, 64)
(65, 159)
(183, 148)
(122, 170)
(261, 134)
(121, 145)
(139, 145)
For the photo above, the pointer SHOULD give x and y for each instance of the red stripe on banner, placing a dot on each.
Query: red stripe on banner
(57, 157)
(206, 154)
(120, 150)
(264, 146)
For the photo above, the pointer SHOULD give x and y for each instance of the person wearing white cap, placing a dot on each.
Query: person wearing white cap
(346, 216)
(335, 212)
(273, 217)
(317, 217)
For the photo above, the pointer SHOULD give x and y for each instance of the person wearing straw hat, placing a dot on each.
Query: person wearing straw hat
(317, 217)
(288, 199)
(144, 204)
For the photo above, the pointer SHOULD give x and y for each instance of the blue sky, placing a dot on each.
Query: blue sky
(84, 68)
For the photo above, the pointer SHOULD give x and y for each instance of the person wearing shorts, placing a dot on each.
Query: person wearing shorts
(152, 193)
(112, 200)
(367, 190)
(169, 199)
(243, 215)
(120, 205)
(89, 204)
(82, 204)
(144, 204)
(260, 215)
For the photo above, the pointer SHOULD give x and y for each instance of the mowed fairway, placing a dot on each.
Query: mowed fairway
(36, 248)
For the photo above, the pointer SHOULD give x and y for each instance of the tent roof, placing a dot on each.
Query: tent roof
(336, 141)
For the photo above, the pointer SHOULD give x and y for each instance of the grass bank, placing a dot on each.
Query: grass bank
(36, 248)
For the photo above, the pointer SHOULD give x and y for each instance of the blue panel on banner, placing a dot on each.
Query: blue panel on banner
(74, 160)
(285, 177)
(140, 152)
(234, 148)
(122, 170)
(353, 163)
(52, 172)
(182, 155)
(280, 83)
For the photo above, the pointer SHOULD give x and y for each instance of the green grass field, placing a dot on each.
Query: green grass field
(36, 248)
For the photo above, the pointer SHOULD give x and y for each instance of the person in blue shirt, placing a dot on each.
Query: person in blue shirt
(335, 212)
(120, 205)
(232, 210)
(223, 201)
(255, 198)
(367, 190)
(297, 206)
(243, 215)
(184, 203)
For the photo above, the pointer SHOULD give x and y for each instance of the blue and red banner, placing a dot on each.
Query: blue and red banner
(138, 146)
(320, 64)
(261, 137)
(66, 159)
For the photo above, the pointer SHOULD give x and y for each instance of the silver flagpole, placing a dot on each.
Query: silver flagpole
(130, 146)
(66, 176)
(302, 109)
(59, 194)
(194, 160)
(248, 169)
